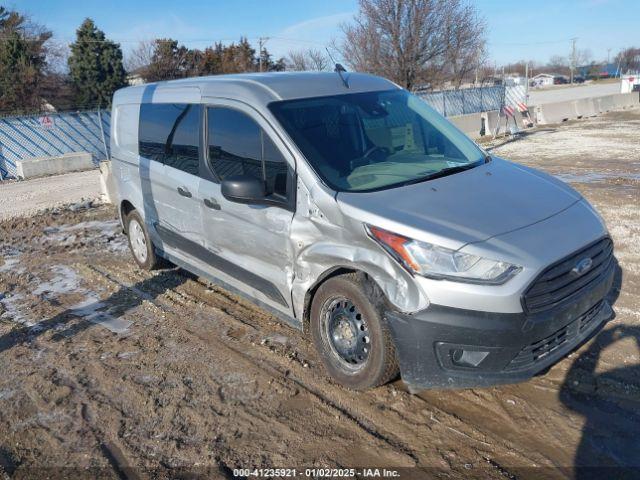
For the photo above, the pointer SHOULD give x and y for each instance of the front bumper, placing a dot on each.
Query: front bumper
(509, 347)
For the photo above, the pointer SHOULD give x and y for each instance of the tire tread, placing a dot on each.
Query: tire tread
(371, 293)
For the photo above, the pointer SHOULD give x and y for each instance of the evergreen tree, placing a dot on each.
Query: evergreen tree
(95, 67)
(22, 63)
(167, 60)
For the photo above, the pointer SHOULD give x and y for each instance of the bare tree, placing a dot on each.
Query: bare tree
(309, 59)
(557, 64)
(629, 59)
(140, 57)
(168, 61)
(415, 41)
(466, 47)
(584, 56)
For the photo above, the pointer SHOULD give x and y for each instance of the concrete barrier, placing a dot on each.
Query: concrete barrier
(107, 183)
(574, 109)
(584, 107)
(607, 103)
(469, 124)
(493, 117)
(555, 112)
(40, 166)
(547, 113)
(626, 100)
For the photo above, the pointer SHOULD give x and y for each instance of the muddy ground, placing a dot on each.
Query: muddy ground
(110, 371)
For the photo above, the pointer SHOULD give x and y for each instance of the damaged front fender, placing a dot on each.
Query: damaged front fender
(322, 245)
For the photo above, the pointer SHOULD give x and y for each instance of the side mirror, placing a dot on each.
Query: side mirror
(243, 189)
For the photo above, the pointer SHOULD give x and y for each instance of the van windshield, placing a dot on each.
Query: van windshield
(375, 140)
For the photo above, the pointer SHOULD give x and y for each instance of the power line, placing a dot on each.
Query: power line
(526, 44)
(68, 41)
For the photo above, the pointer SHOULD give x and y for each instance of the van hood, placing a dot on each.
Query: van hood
(466, 207)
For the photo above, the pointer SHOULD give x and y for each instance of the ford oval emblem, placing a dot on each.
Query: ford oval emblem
(582, 266)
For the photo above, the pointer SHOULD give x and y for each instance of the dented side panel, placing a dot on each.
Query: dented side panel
(324, 239)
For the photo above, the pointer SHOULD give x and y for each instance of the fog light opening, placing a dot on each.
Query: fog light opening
(467, 358)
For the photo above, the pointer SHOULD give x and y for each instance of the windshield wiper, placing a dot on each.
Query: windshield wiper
(445, 172)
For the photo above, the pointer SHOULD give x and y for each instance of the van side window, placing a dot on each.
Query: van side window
(169, 133)
(237, 145)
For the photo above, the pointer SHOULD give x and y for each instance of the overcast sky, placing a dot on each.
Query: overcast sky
(532, 29)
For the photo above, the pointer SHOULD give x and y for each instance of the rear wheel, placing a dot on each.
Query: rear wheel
(139, 242)
(349, 333)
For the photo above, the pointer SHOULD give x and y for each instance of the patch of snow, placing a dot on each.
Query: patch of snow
(107, 231)
(65, 280)
(13, 311)
(11, 258)
(94, 310)
(592, 177)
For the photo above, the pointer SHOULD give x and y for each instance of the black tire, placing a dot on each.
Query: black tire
(150, 261)
(380, 364)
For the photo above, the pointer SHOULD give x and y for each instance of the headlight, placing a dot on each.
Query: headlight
(442, 263)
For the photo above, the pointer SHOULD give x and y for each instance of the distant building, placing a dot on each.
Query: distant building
(135, 77)
(542, 80)
(595, 70)
(513, 80)
(630, 83)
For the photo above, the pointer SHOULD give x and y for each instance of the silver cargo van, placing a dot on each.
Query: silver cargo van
(350, 209)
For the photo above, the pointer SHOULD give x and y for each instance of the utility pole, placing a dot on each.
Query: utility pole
(608, 55)
(478, 54)
(526, 79)
(573, 56)
(261, 42)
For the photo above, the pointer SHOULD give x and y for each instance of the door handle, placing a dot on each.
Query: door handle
(184, 192)
(212, 203)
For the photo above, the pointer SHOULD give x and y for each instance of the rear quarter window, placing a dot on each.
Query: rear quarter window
(125, 132)
(170, 133)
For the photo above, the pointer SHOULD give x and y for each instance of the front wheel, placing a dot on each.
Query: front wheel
(350, 335)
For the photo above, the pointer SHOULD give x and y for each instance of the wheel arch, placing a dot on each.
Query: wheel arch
(375, 293)
(126, 207)
(323, 260)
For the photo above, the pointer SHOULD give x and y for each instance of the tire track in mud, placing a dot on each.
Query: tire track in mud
(399, 428)
(448, 421)
(473, 434)
(110, 449)
(421, 438)
(267, 367)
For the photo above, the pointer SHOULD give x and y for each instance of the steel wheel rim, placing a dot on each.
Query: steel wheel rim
(346, 332)
(138, 241)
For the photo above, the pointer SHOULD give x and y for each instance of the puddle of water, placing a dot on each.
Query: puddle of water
(592, 177)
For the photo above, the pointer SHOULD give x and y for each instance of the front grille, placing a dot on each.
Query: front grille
(559, 283)
(540, 349)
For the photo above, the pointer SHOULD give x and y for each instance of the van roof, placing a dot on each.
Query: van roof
(261, 88)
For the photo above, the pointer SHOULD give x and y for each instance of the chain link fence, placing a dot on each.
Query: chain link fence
(52, 134)
(473, 100)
